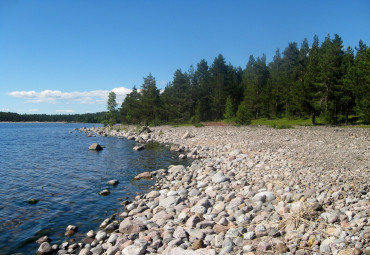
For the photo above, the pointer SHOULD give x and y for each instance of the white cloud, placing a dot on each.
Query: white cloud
(64, 111)
(4, 110)
(57, 96)
(33, 110)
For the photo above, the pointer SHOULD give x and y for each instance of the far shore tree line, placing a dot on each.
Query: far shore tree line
(81, 118)
(322, 81)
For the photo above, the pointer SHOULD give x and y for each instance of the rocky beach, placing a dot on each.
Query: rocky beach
(249, 190)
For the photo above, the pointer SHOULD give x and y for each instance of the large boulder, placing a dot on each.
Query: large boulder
(44, 249)
(170, 202)
(129, 226)
(95, 146)
(137, 248)
(144, 175)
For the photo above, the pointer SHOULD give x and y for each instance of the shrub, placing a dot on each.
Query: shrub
(243, 115)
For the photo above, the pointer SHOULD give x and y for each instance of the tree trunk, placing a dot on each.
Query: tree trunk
(313, 118)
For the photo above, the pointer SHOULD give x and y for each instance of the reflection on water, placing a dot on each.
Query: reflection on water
(46, 162)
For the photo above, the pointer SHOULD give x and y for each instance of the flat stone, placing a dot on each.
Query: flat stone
(170, 201)
(144, 175)
(219, 178)
(129, 226)
(153, 194)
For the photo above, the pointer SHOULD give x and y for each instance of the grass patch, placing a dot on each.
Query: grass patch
(282, 126)
(282, 123)
(182, 125)
(356, 126)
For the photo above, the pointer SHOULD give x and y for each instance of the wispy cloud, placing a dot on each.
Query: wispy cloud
(57, 96)
(33, 110)
(4, 110)
(64, 111)
(162, 82)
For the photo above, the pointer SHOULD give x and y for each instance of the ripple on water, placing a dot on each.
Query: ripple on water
(46, 162)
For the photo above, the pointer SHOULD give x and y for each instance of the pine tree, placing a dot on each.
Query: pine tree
(312, 91)
(229, 109)
(243, 115)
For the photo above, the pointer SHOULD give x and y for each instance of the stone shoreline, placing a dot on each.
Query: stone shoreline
(250, 190)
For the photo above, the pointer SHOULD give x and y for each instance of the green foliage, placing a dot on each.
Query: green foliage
(137, 129)
(105, 123)
(229, 109)
(111, 106)
(282, 126)
(282, 122)
(198, 125)
(243, 115)
(321, 82)
(85, 118)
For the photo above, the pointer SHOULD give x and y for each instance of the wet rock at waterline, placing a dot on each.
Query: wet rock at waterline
(104, 192)
(113, 182)
(33, 201)
(139, 148)
(43, 240)
(44, 249)
(95, 146)
(145, 175)
(71, 230)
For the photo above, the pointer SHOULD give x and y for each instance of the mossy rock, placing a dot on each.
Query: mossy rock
(32, 201)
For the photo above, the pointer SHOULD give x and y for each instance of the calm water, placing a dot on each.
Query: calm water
(48, 163)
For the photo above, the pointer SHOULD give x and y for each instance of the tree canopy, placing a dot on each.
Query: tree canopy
(322, 80)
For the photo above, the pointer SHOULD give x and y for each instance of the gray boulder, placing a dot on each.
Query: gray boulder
(44, 249)
(220, 177)
(138, 248)
(95, 146)
(170, 201)
(129, 226)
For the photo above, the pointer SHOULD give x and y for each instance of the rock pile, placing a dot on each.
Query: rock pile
(251, 190)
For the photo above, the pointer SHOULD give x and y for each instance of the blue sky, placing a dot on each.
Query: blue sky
(65, 56)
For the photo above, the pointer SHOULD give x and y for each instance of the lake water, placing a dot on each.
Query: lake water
(46, 162)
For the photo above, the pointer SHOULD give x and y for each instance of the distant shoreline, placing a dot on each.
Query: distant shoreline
(57, 122)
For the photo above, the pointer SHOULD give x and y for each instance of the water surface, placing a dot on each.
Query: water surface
(51, 163)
